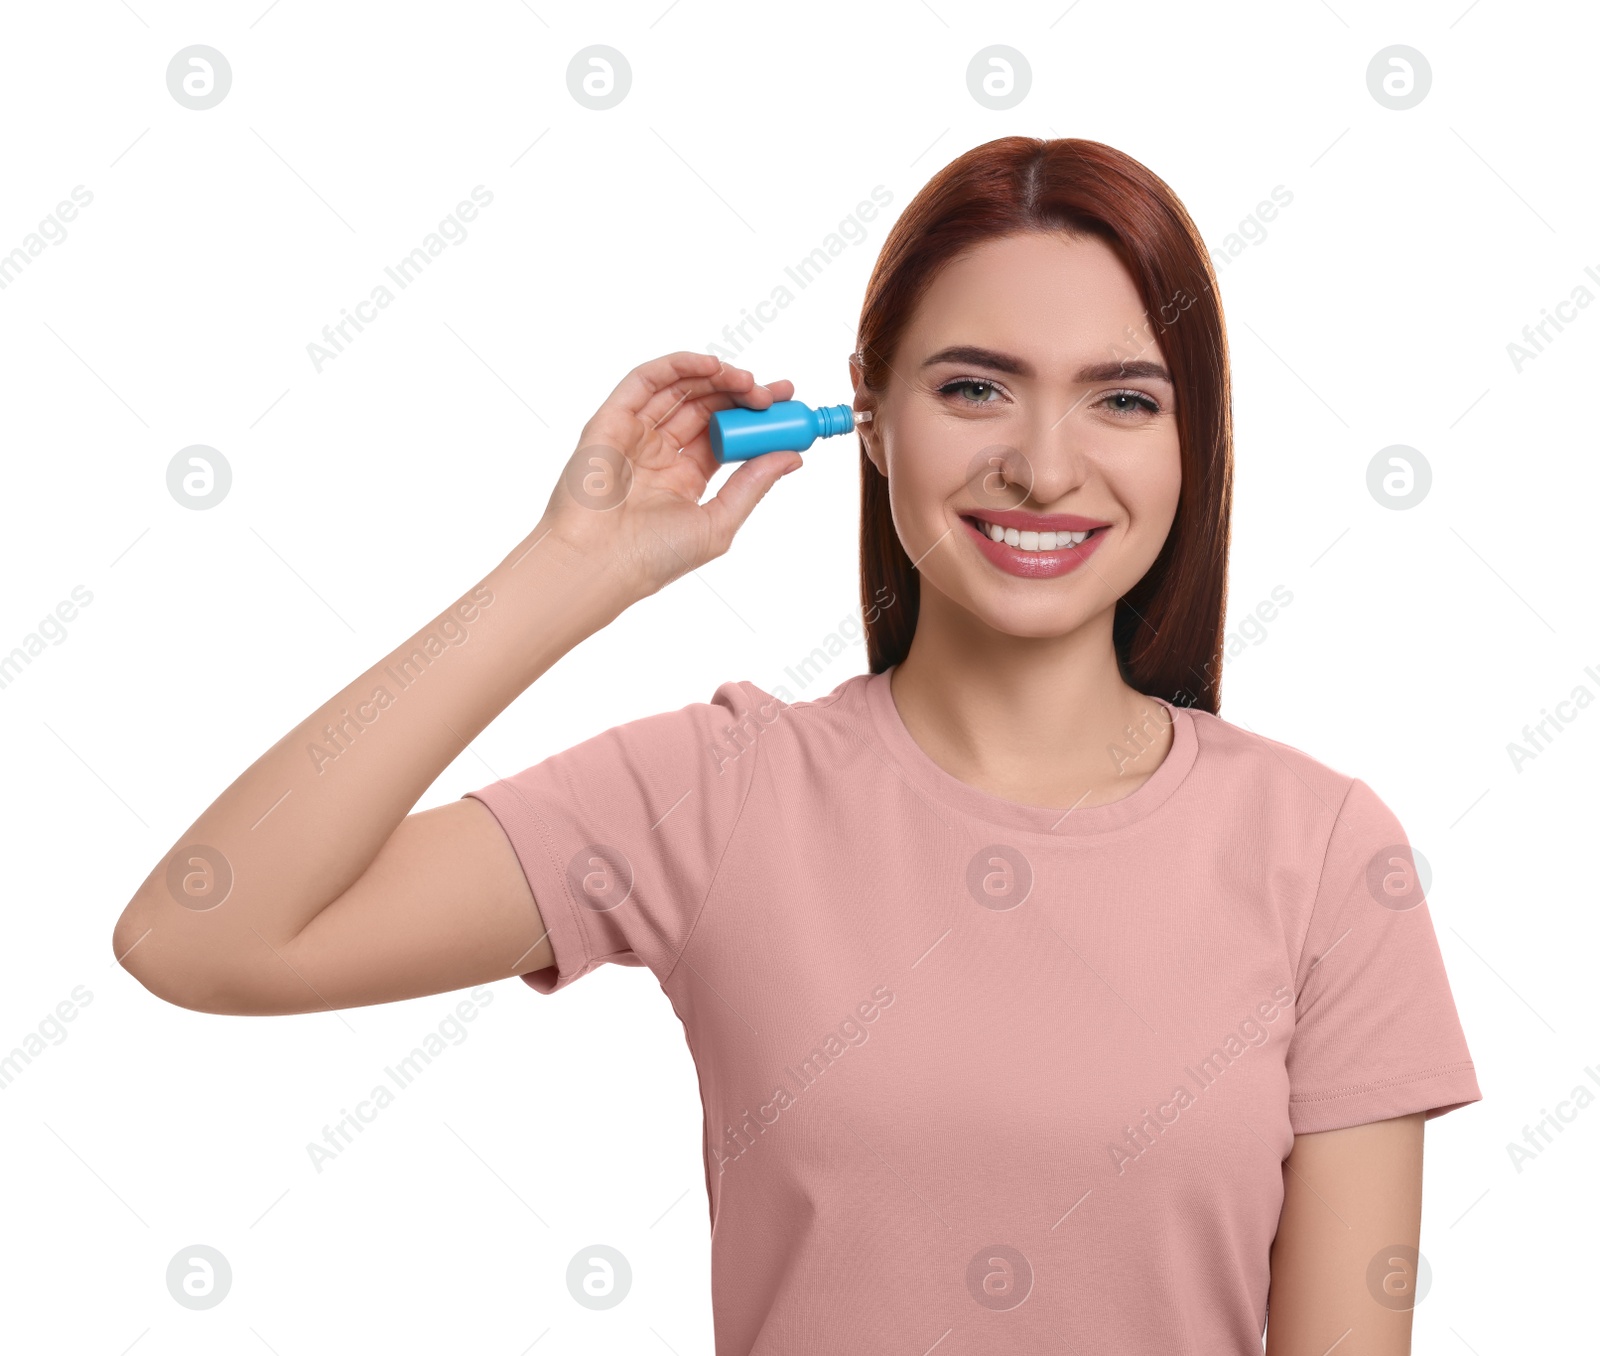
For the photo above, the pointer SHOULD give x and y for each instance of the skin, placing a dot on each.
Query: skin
(342, 897)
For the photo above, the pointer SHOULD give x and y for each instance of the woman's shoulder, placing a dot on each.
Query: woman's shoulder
(1234, 751)
(738, 716)
(804, 711)
(1311, 807)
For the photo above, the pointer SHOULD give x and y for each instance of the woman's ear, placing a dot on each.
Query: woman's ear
(868, 431)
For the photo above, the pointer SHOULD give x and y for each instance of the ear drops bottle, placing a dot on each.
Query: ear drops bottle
(737, 434)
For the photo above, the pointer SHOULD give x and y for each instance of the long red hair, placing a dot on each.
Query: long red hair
(1167, 629)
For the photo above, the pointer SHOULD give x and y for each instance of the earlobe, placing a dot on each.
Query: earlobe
(870, 446)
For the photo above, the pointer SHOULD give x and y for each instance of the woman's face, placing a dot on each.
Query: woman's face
(1028, 396)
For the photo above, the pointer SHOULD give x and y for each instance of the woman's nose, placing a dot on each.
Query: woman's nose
(1056, 453)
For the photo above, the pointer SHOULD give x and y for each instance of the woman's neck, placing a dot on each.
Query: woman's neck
(1036, 721)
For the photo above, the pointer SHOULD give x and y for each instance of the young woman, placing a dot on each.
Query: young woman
(1035, 1007)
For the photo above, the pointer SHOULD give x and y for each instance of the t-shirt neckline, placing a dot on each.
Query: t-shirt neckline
(1050, 821)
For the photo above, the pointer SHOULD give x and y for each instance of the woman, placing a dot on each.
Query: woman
(1035, 1007)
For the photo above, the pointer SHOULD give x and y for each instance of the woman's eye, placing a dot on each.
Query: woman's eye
(1131, 402)
(984, 391)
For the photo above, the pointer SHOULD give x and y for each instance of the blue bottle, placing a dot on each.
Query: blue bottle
(737, 434)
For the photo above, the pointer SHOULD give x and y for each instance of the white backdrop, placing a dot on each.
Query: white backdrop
(174, 302)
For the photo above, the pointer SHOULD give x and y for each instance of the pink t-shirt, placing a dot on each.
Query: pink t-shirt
(984, 1076)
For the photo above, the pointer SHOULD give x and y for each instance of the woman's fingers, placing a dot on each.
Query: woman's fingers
(687, 418)
(689, 429)
(675, 397)
(744, 489)
(636, 390)
(670, 398)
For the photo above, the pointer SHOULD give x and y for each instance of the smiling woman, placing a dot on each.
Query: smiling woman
(1026, 824)
(1047, 484)
(1092, 284)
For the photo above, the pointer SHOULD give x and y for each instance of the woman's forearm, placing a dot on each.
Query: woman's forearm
(303, 821)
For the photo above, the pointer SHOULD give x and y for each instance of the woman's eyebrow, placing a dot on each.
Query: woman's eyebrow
(980, 357)
(996, 361)
(1125, 368)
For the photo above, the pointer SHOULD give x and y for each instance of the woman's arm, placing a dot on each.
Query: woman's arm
(1349, 1196)
(330, 894)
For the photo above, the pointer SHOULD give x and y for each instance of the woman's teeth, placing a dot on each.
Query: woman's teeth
(1031, 541)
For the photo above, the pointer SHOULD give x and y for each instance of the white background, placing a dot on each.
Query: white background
(1377, 310)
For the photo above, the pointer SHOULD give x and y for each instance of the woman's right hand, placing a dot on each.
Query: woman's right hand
(628, 500)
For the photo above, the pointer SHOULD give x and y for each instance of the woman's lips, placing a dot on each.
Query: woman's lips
(1036, 564)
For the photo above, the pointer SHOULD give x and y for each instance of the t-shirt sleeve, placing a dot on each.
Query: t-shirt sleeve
(620, 836)
(1376, 1033)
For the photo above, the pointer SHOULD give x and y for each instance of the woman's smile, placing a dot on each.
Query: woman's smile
(1033, 545)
